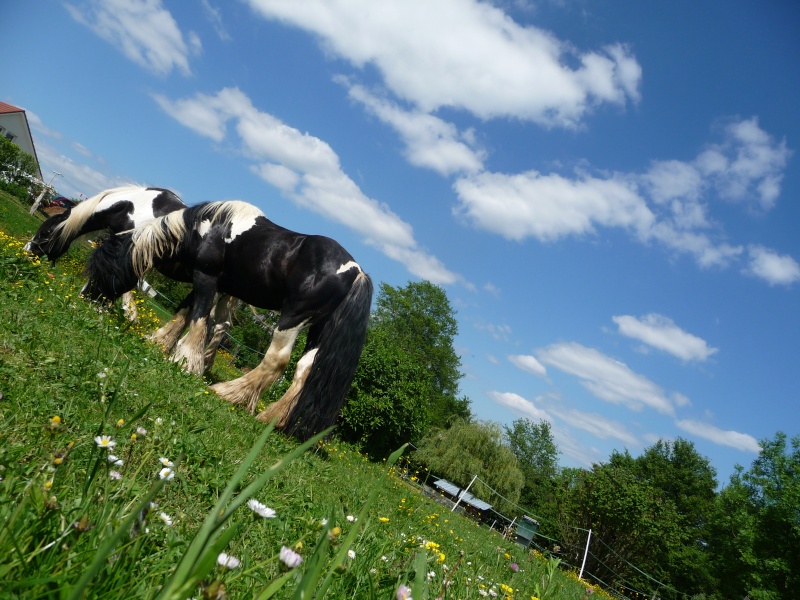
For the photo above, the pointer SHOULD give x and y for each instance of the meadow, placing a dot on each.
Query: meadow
(122, 476)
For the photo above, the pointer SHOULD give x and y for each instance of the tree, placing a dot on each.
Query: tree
(407, 378)
(17, 168)
(632, 523)
(537, 455)
(688, 480)
(419, 319)
(774, 484)
(387, 402)
(467, 449)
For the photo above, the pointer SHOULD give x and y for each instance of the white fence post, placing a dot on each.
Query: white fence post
(585, 553)
(461, 495)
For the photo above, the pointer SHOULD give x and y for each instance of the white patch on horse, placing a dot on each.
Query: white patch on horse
(239, 226)
(142, 200)
(203, 228)
(349, 265)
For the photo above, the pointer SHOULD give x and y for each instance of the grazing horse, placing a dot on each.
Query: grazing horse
(117, 209)
(232, 248)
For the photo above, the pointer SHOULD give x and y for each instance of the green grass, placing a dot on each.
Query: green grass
(72, 524)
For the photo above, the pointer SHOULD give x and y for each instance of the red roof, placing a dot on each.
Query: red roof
(8, 108)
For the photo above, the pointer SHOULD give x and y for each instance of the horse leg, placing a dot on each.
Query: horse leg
(280, 410)
(129, 307)
(169, 334)
(191, 348)
(246, 390)
(222, 323)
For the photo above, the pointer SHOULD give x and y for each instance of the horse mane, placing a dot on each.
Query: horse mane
(81, 212)
(164, 237)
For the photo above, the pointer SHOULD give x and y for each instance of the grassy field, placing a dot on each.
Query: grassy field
(124, 477)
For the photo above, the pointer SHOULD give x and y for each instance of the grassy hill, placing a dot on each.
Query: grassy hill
(124, 477)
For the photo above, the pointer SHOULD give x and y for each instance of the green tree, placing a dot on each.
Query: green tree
(16, 168)
(419, 319)
(470, 448)
(632, 523)
(688, 480)
(773, 488)
(387, 402)
(537, 455)
(407, 378)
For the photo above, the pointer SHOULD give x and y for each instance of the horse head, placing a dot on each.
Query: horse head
(46, 240)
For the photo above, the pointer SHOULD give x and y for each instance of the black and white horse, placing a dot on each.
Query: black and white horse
(232, 248)
(115, 210)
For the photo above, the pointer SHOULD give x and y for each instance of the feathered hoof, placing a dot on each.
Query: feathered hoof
(274, 412)
(191, 361)
(237, 395)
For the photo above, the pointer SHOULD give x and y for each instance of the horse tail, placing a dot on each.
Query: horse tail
(109, 270)
(341, 340)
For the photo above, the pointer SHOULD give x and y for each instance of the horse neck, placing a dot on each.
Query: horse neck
(157, 242)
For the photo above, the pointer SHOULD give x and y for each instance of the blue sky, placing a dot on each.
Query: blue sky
(607, 191)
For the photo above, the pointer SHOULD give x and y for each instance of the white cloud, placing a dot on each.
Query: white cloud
(549, 207)
(308, 171)
(528, 363)
(78, 178)
(660, 332)
(748, 165)
(606, 378)
(733, 439)
(215, 18)
(596, 424)
(774, 268)
(143, 30)
(38, 126)
(430, 141)
(520, 405)
(461, 53)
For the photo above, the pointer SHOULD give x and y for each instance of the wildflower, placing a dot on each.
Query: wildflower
(117, 462)
(404, 593)
(101, 375)
(441, 557)
(55, 422)
(514, 567)
(384, 519)
(323, 522)
(431, 575)
(58, 460)
(104, 441)
(227, 561)
(166, 462)
(289, 557)
(47, 484)
(141, 431)
(351, 554)
(262, 511)
(385, 558)
(115, 475)
(166, 473)
(167, 520)
(335, 532)
(121, 422)
(352, 519)
(133, 437)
